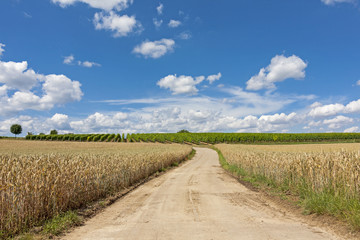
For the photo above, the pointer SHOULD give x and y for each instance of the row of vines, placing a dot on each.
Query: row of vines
(80, 137)
(199, 138)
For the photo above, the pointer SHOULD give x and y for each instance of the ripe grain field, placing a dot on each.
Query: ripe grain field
(41, 179)
(325, 176)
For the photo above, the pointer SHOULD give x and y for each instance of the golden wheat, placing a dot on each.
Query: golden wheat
(39, 180)
(319, 167)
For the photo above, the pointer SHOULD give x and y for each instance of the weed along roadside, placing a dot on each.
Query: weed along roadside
(72, 182)
(324, 182)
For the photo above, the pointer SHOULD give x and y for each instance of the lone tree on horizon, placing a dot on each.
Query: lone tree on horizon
(183, 131)
(54, 132)
(16, 129)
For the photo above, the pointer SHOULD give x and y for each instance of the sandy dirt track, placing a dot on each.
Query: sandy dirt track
(196, 201)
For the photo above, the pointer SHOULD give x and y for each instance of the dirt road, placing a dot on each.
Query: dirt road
(196, 201)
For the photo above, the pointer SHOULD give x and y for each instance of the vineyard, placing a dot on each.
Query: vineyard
(199, 138)
(40, 180)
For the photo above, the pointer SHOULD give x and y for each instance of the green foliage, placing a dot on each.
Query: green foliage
(16, 129)
(183, 131)
(246, 138)
(117, 138)
(128, 137)
(53, 132)
(61, 222)
(97, 138)
(210, 138)
(83, 138)
(110, 137)
(104, 137)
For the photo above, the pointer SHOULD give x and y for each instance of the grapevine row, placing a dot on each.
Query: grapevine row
(200, 138)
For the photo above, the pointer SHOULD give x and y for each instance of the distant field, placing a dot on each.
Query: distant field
(41, 147)
(41, 179)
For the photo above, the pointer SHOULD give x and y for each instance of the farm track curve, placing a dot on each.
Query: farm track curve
(198, 200)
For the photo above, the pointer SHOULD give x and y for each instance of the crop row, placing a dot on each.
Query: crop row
(80, 137)
(243, 137)
(198, 138)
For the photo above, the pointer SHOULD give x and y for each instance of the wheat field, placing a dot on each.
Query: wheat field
(326, 176)
(321, 166)
(41, 179)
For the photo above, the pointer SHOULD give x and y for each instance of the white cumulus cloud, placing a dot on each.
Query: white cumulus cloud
(59, 121)
(353, 107)
(181, 85)
(338, 122)
(16, 75)
(174, 23)
(120, 25)
(97, 122)
(106, 5)
(155, 49)
(185, 84)
(327, 110)
(59, 89)
(334, 109)
(24, 84)
(213, 78)
(351, 130)
(280, 69)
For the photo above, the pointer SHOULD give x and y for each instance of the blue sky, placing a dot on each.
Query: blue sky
(88, 66)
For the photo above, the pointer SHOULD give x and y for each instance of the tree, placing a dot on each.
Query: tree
(183, 131)
(16, 129)
(53, 132)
